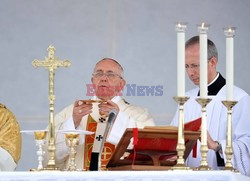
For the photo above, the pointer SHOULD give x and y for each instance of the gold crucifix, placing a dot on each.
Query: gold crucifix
(51, 63)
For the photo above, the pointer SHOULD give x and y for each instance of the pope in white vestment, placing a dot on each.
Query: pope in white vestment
(129, 116)
(108, 81)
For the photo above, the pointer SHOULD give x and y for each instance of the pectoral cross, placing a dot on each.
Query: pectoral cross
(51, 63)
(99, 137)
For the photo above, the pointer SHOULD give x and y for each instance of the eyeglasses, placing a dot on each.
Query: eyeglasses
(109, 75)
(195, 66)
(192, 66)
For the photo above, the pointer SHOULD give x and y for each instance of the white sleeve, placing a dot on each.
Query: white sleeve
(6, 161)
(122, 122)
(241, 136)
(175, 120)
(61, 147)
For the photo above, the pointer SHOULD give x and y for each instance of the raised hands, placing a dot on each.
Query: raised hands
(84, 107)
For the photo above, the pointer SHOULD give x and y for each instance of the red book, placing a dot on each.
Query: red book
(193, 125)
(165, 148)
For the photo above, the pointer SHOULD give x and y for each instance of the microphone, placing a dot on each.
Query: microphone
(96, 155)
(112, 115)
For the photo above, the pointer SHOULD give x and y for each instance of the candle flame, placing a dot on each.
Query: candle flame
(179, 24)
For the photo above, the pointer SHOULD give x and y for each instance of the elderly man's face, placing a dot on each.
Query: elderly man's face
(107, 79)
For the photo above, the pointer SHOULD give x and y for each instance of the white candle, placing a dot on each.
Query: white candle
(203, 59)
(229, 32)
(180, 29)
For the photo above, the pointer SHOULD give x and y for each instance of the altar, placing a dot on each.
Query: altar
(123, 176)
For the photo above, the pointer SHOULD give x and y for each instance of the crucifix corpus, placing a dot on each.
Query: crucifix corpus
(51, 63)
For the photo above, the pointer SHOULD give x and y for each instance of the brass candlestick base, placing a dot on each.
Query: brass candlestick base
(229, 151)
(204, 149)
(72, 141)
(181, 144)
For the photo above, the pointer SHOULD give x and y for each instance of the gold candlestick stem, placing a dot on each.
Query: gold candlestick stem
(229, 150)
(204, 149)
(181, 144)
(51, 63)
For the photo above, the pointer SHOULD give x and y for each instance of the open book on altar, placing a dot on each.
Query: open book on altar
(154, 148)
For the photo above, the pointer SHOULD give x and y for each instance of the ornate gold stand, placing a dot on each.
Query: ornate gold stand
(181, 143)
(51, 63)
(204, 149)
(72, 141)
(229, 151)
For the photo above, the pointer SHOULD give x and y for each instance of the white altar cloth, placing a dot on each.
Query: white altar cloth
(123, 176)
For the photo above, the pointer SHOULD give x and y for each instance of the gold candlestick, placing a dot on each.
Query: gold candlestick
(51, 63)
(181, 144)
(229, 151)
(72, 141)
(204, 149)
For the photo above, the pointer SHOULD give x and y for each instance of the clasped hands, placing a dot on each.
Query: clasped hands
(84, 107)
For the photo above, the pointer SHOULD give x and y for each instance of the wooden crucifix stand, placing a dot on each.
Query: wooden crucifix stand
(51, 63)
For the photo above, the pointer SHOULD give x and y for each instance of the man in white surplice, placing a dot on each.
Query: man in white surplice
(108, 81)
(217, 112)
